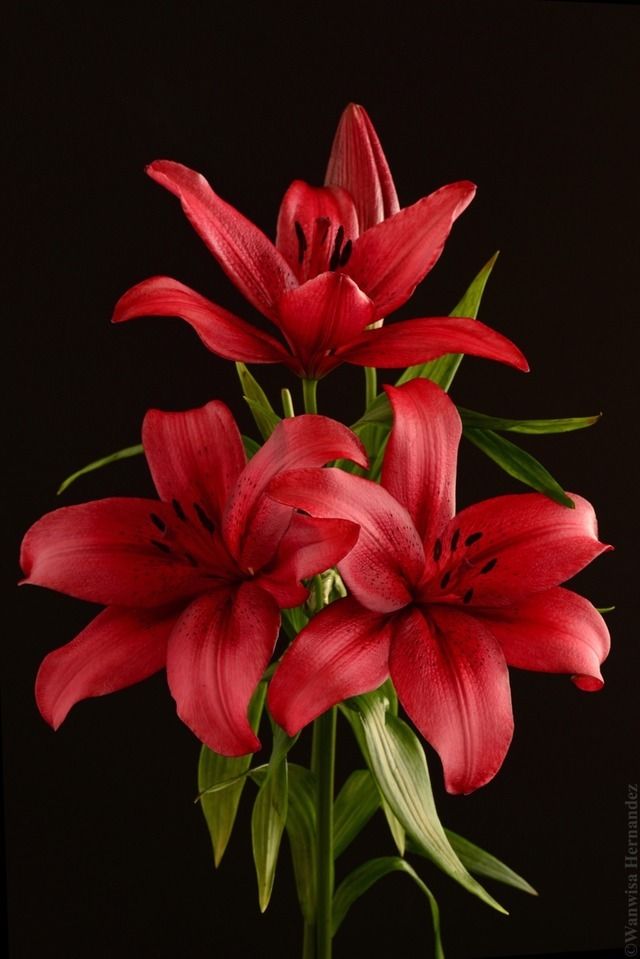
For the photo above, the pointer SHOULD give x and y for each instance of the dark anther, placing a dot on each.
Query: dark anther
(470, 540)
(445, 580)
(302, 241)
(467, 596)
(454, 540)
(191, 559)
(160, 523)
(161, 546)
(178, 510)
(206, 521)
(489, 566)
(346, 253)
(335, 256)
(437, 550)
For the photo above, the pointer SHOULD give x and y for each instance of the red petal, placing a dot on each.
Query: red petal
(388, 557)
(358, 164)
(216, 656)
(104, 552)
(555, 631)
(343, 652)
(247, 256)
(119, 648)
(220, 331)
(309, 225)
(535, 542)
(298, 442)
(420, 459)
(390, 259)
(194, 457)
(308, 547)
(416, 341)
(322, 315)
(452, 679)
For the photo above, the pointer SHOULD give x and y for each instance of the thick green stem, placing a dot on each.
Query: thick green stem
(309, 388)
(371, 385)
(323, 751)
(309, 942)
(322, 764)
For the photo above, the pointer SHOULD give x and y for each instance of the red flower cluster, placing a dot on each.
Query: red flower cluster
(194, 582)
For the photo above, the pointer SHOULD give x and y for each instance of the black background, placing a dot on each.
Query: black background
(534, 101)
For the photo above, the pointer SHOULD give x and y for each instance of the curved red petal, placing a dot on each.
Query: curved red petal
(357, 163)
(306, 440)
(421, 456)
(390, 259)
(509, 547)
(452, 679)
(111, 552)
(308, 547)
(555, 631)
(247, 256)
(195, 457)
(343, 652)
(423, 339)
(388, 556)
(119, 648)
(221, 331)
(322, 315)
(315, 226)
(217, 653)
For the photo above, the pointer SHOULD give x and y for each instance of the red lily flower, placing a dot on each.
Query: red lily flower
(336, 268)
(442, 603)
(194, 581)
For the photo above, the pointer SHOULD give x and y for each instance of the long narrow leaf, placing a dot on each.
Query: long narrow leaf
(267, 824)
(397, 762)
(263, 413)
(220, 806)
(362, 878)
(470, 418)
(354, 806)
(98, 464)
(518, 463)
(484, 864)
(301, 830)
(443, 370)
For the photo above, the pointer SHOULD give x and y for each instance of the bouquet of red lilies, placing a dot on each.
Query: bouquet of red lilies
(326, 568)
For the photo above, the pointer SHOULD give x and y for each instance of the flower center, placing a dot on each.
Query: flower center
(449, 578)
(193, 539)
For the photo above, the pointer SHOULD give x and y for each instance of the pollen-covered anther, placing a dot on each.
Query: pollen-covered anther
(334, 262)
(470, 540)
(178, 510)
(489, 566)
(157, 522)
(302, 241)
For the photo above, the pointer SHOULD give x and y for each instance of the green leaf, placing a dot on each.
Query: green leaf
(605, 609)
(228, 774)
(519, 464)
(98, 464)
(397, 762)
(354, 806)
(362, 878)
(263, 413)
(443, 370)
(301, 830)
(484, 864)
(267, 824)
(481, 421)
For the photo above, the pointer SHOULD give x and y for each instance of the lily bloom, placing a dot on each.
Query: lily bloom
(194, 581)
(336, 268)
(443, 603)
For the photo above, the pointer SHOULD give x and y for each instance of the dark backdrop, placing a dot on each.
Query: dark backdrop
(534, 101)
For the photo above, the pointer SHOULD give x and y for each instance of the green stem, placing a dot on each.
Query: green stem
(371, 385)
(322, 764)
(323, 750)
(309, 388)
(309, 942)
